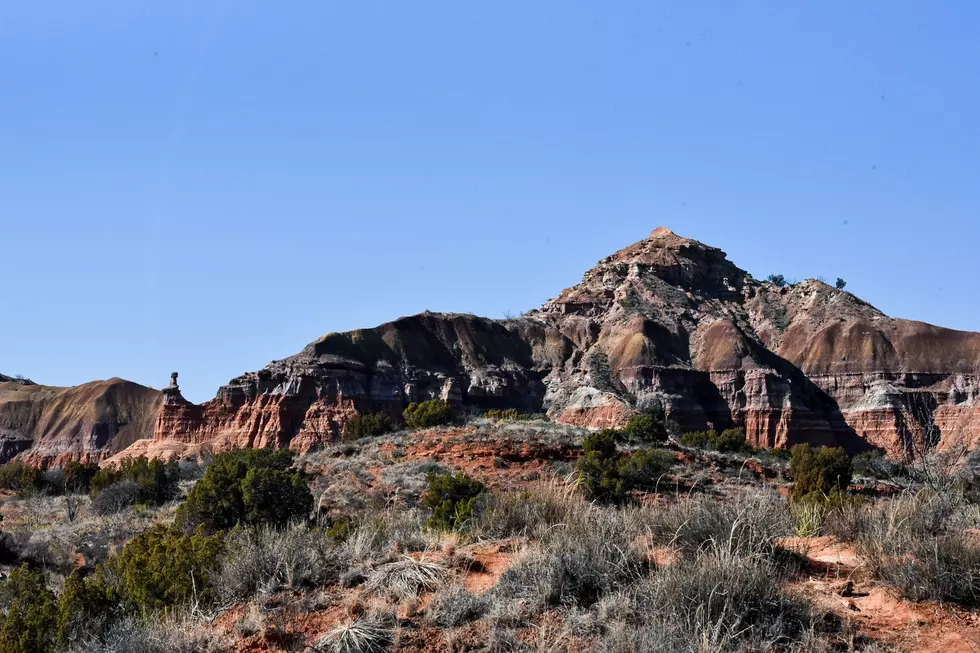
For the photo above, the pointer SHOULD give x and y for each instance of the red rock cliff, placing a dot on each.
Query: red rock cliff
(666, 321)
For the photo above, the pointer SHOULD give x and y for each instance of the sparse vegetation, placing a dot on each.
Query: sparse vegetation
(254, 486)
(164, 567)
(604, 474)
(155, 481)
(452, 498)
(28, 623)
(646, 427)
(433, 412)
(819, 472)
(508, 414)
(594, 565)
(777, 280)
(728, 441)
(367, 425)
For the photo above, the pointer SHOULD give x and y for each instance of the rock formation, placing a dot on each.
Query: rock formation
(51, 425)
(667, 321)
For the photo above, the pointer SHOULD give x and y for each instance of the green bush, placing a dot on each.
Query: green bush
(85, 606)
(30, 621)
(728, 441)
(606, 475)
(164, 567)
(452, 498)
(226, 496)
(156, 480)
(646, 428)
(78, 476)
(366, 425)
(508, 414)
(645, 467)
(819, 471)
(601, 442)
(427, 413)
(777, 280)
(25, 479)
(271, 496)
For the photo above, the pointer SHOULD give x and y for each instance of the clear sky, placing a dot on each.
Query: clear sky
(203, 186)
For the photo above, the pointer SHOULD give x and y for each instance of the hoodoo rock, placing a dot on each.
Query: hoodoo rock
(666, 322)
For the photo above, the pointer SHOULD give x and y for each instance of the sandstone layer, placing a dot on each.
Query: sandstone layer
(665, 322)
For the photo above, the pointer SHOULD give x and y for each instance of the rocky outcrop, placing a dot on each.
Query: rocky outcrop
(52, 426)
(667, 321)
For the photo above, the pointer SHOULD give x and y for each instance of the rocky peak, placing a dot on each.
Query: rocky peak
(16, 379)
(663, 271)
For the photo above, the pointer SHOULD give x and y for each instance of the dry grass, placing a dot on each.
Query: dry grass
(369, 634)
(406, 577)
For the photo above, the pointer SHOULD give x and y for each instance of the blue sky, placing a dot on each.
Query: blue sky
(204, 186)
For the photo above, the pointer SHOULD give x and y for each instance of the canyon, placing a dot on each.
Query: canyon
(667, 323)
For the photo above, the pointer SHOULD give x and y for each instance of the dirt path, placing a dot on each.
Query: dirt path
(838, 581)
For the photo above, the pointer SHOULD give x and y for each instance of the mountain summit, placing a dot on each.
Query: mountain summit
(666, 322)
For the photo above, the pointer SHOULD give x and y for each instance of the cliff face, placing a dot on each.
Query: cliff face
(667, 321)
(89, 422)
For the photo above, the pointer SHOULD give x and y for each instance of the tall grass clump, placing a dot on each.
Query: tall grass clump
(748, 524)
(716, 601)
(919, 543)
(577, 563)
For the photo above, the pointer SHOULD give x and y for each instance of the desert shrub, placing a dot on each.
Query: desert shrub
(367, 424)
(530, 513)
(150, 634)
(11, 473)
(25, 478)
(373, 633)
(877, 465)
(28, 479)
(646, 428)
(378, 533)
(77, 477)
(712, 602)
(30, 621)
(508, 414)
(264, 560)
(455, 606)
(116, 497)
(778, 280)
(577, 565)
(251, 486)
(452, 498)
(164, 567)
(645, 467)
(86, 607)
(920, 545)
(155, 480)
(606, 475)
(271, 496)
(427, 413)
(728, 441)
(406, 577)
(750, 524)
(819, 471)
(602, 442)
